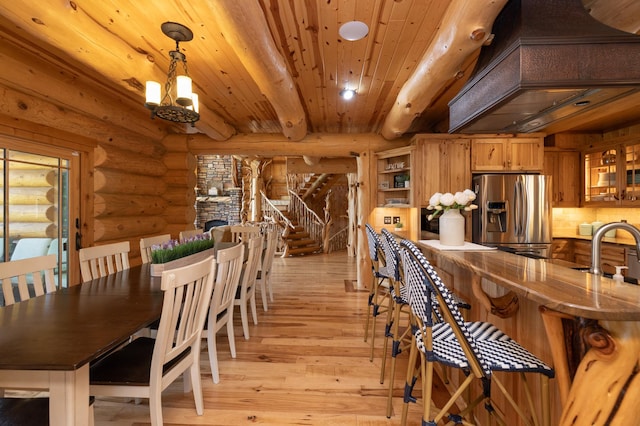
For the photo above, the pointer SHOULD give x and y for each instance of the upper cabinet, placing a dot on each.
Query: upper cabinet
(522, 154)
(394, 177)
(612, 175)
(564, 167)
(445, 165)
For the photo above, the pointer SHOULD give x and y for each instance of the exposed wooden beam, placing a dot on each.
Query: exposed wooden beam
(465, 26)
(244, 26)
(315, 145)
(326, 165)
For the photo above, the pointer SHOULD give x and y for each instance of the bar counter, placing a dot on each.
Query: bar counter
(533, 300)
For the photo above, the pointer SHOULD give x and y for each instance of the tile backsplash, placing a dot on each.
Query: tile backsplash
(566, 220)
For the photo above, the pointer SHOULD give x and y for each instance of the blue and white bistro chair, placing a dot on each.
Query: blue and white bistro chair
(477, 348)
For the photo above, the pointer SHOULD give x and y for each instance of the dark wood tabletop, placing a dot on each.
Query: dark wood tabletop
(71, 327)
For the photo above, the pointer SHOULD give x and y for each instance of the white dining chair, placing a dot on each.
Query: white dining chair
(189, 233)
(246, 293)
(148, 242)
(145, 367)
(229, 263)
(33, 276)
(100, 261)
(264, 274)
(242, 233)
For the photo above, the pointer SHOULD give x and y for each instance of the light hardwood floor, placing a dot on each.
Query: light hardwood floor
(305, 364)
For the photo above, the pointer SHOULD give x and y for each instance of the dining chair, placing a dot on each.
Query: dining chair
(33, 276)
(398, 307)
(189, 233)
(380, 287)
(246, 293)
(147, 243)
(100, 261)
(240, 233)
(264, 272)
(227, 279)
(145, 367)
(477, 348)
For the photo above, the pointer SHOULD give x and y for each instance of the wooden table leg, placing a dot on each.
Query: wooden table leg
(69, 397)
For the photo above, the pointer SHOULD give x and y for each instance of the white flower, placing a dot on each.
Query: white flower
(461, 198)
(447, 199)
(435, 199)
(470, 194)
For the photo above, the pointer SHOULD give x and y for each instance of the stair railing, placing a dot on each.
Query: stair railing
(338, 241)
(306, 217)
(273, 214)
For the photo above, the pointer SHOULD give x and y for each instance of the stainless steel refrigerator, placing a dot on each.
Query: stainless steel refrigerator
(514, 213)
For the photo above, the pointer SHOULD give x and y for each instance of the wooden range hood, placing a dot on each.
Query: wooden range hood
(549, 60)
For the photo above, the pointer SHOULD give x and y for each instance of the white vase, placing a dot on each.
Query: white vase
(451, 225)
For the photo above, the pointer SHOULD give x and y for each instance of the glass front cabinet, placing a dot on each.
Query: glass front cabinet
(612, 175)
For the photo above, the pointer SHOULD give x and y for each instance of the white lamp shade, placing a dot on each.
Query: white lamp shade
(184, 90)
(152, 93)
(194, 99)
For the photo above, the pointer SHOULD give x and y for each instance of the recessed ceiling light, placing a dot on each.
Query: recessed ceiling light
(354, 30)
(347, 94)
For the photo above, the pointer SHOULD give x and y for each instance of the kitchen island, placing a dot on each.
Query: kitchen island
(542, 305)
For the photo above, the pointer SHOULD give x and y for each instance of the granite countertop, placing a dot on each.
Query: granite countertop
(551, 284)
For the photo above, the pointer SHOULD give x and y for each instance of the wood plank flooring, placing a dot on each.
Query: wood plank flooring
(305, 364)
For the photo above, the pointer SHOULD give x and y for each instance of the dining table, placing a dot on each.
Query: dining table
(48, 342)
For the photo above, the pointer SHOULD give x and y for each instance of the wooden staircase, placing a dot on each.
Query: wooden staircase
(298, 242)
(318, 185)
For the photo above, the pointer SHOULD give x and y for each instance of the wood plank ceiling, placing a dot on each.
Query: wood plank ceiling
(277, 67)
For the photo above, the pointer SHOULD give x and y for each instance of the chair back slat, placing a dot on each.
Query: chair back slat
(36, 273)
(427, 285)
(100, 261)
(147, 243)
(242, 233)
(189, 233)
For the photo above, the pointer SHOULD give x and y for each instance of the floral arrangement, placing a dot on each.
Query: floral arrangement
(173, 249)
(442, 202)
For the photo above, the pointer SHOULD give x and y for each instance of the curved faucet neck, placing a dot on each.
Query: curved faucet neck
(596, 242)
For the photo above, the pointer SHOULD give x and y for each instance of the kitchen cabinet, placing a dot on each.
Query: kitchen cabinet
(612, 175)
(445, 165)
(564, 167)
(521, 154)
(612, 255)
(394, 187)
(562, 248)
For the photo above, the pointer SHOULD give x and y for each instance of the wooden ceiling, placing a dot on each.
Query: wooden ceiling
(277, 67)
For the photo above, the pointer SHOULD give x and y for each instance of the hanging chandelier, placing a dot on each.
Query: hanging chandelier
(179, 103)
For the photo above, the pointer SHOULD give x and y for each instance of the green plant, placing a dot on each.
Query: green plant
(399, 225)
(173, 250)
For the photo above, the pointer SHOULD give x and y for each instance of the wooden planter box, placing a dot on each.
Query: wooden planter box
(158, 268)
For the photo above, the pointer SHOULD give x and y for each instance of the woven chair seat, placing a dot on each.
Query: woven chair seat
(499, 351)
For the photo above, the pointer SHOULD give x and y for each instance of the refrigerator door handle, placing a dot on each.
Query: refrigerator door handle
(518, 208)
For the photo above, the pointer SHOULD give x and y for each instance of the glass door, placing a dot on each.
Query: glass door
(37, 208)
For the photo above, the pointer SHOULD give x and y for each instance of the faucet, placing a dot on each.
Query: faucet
(597, 242)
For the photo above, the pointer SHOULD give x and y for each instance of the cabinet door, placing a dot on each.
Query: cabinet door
(445, 167)
(488, 155)
(525, 154)
(564, 167)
